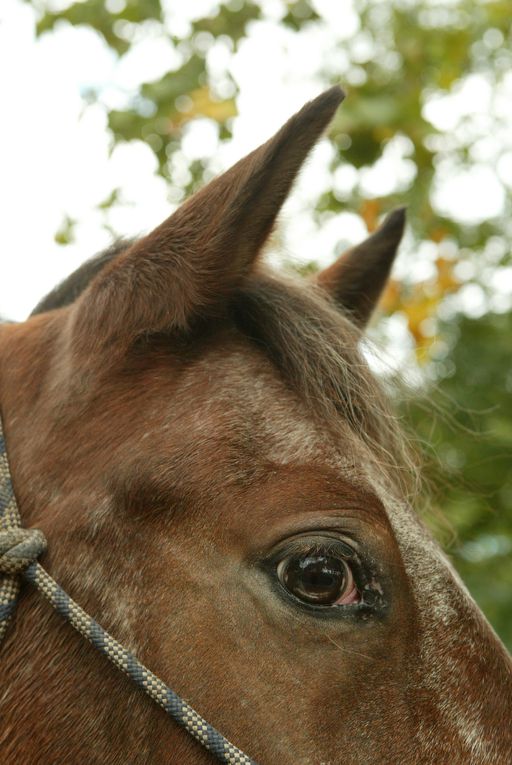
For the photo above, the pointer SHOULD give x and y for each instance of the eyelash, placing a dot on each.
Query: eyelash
(325, 545)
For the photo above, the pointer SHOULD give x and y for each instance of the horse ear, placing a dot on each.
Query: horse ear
(357, 278)
(188, 266)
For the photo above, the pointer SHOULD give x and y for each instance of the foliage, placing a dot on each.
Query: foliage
(466, 425)
(404, 56)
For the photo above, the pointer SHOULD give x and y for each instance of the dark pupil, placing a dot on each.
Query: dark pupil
(316, 579)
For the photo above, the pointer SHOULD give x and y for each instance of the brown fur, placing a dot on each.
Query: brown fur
(183, 416)
(347, 279)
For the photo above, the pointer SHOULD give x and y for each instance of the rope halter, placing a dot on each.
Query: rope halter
(19, 548)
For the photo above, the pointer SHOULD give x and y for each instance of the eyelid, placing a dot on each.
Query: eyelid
(310, 542)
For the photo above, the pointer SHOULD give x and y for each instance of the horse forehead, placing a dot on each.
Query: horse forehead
(241, 396)
(247, 396)
(232, 402)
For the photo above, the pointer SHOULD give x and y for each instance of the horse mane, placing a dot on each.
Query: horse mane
(313, 345)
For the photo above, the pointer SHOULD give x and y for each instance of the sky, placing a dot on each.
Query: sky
(56, 161)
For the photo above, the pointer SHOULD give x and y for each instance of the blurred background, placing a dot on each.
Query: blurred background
(114, 111)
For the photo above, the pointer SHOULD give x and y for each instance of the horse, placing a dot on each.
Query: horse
(223, 484)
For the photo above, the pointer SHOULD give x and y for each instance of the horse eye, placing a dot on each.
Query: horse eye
(318, 579)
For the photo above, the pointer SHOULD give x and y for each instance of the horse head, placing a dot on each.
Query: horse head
(220, 479)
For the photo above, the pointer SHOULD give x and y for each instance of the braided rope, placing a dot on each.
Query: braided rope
(19, 550)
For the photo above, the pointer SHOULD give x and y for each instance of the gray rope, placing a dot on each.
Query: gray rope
(19, 550)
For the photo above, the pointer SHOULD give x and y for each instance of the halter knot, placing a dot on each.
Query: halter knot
(19, 548)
